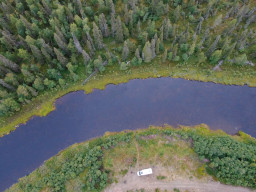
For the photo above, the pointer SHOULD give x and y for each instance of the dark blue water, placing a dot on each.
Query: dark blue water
(137, 104)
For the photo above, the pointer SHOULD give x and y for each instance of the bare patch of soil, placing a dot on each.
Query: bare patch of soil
(131, 182)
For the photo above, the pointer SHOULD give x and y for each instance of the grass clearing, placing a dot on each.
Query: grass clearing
(173, 154)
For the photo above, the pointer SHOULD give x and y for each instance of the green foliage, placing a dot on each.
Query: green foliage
(8, 106)
(170, 56)
(177, 58)
(185, 57)
(38, 84)
(135, 61)
(36, 37)
(54, 74)
(23, 93)
(240, 60)
(123, 66)
(231, 160)
(147, 53)
(62, 82)
(49, 83)
(201, 58)
(216, 56)
(72, 163)
(184, 47)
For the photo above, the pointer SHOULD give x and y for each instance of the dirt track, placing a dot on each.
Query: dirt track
(149, 183)
(174, 180)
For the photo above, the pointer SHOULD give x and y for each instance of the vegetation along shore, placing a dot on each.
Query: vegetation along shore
(193, 154)
(48, 48)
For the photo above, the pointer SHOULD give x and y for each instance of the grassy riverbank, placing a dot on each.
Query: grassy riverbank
(192, 153)
(44, 103)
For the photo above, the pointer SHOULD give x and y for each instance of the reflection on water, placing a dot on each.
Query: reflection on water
(134, 105)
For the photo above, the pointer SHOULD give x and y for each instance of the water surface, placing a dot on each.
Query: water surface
(136, 104)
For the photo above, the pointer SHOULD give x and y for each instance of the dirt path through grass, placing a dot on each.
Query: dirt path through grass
(131, 182)
(149, 183)
(138, 155)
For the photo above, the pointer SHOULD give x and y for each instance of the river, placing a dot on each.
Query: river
(133, 105)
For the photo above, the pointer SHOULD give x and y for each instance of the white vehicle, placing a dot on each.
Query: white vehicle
(145, 172)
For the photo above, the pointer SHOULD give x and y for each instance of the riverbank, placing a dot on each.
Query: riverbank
(44, 103)
(195, 153)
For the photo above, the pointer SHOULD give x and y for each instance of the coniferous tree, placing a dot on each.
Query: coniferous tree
(37, 53)
(9, 39)
(46, 54)
(35, 33)
(125, 52)
(6, 85)
(4, 71)
(126, 14)
(174, 52)
(213, 46)
(250, 20)
(151, 29)
(46, 7)
(103, 25)
(217, 21)
(9, 64)
(138, 28)
(75, 30)
(80, 7)
(201, 58)
(192, 49)
(119, 30)
(90, 40)
(131, 20)
(80, 49)
(166, 28)
(97, 36)
(112, 7)
(147, 53)
(153, 48)
(90, 48)
(61, 58)
(63, 45)
(46, 47)
(60, 34)
(177, 13)
(126, 33)
(137, 53)
(23, 43)
(162, 33)
(199, 26)
(216, 56)
(25, 22)
(28, 75)
(113, 25)
(206, 34)
(158, 42)
(229, 51)
(164, 57)
(32, 91)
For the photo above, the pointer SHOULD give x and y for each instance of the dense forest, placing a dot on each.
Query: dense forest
(230, 159)
(44, 44)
